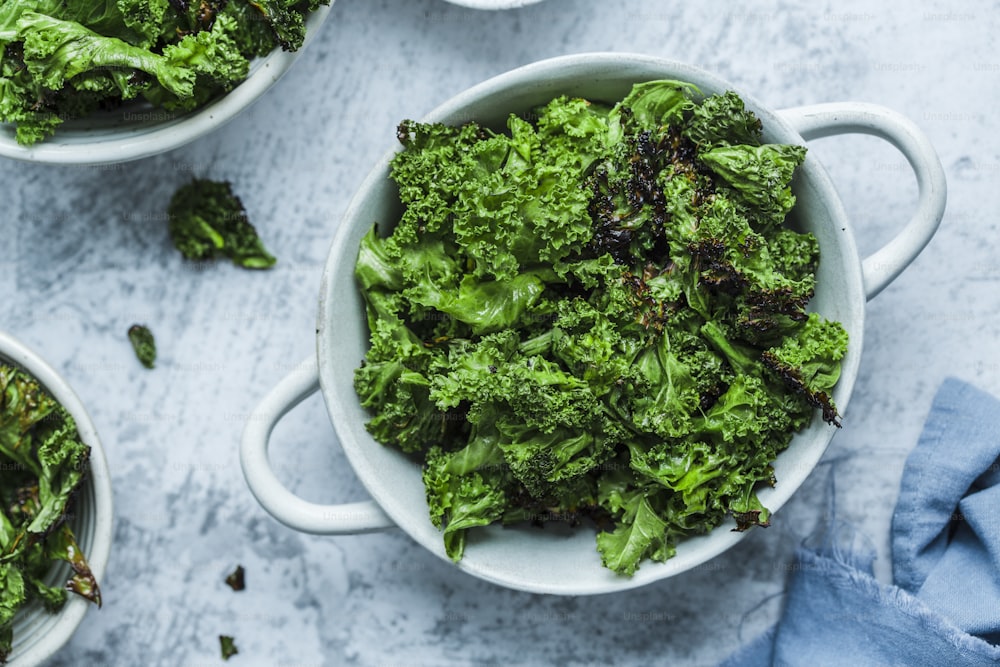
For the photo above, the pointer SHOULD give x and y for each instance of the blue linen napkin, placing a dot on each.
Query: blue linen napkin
(944, 606)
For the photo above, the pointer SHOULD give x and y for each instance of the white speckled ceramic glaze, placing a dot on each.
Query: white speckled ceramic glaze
(493, 4)
(139, 130)
(37, 633)
(558, 561)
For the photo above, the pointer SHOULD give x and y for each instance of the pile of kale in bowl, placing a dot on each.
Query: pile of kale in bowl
(67, 59)
(599, 314)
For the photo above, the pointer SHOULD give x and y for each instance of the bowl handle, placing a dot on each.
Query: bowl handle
(824, 120)
(282, 504)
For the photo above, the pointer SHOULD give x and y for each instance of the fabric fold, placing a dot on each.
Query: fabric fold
(944, 606)
(946, 527)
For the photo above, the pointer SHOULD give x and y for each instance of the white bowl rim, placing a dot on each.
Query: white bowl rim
(75, 147)
(72, 614)
(493, 4)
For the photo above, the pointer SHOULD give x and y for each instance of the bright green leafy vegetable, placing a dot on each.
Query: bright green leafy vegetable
(61, 60)
(42, 464)
(600, 314)
(207, 219)
(143, 344)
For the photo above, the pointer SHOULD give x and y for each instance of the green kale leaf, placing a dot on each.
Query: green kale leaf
(207, 219)
(236, 579)
(640, 534)
(210, 58)
(227, 646)
(463, 491)
(143, 344)
(761, 174)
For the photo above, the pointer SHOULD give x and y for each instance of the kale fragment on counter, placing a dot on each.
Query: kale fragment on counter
(237, 579)
(227, 646)
(207, 220)
(143, 344)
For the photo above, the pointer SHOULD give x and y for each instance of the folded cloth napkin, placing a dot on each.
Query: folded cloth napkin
(944, 608)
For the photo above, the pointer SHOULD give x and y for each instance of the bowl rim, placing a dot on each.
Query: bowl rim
(68, 619)
(585, 67)
(71, 145)
(494, 4)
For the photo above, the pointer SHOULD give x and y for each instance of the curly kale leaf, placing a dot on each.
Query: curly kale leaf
(393, 384)
(82, 582)
(464, 490)
(760, 174)
(56, 51)
(13, 596)
(649, 106)
(809, 362)
(143, 344)
(722, 120)
(548, 464)
(129, 20)
(493, 372)
(285, 21)
(211, 58)
(376, 268)
(149, 20)
(593, 346)
(48, 458)
(207, 219)
(508, 201)
(485, 306)
(63, 60)
(641, 533)
(765, 281)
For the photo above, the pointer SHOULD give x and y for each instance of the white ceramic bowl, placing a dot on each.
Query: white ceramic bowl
(141, 130)
(554, 561)
(493, 4)
(38, 634)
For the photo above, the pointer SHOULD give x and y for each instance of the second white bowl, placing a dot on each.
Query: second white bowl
(38, 634)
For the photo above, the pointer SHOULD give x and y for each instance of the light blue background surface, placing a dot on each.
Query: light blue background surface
(86, 254)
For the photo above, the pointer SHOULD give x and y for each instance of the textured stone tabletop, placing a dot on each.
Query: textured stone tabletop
(85, 254)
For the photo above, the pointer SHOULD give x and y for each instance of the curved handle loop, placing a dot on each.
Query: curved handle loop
(824, 120)
(282, 504)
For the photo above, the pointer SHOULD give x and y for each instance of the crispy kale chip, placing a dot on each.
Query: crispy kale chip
(44, 462)
(227, 646)
(506, 201)
(206, 219)
(641, 533)
(722, 120)
(143, 344)
(809, 362)
(460, 495)
(600, 314)
(760, 174)
(285, 20)
(61, 60)
(236, 579)
(211, 58)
